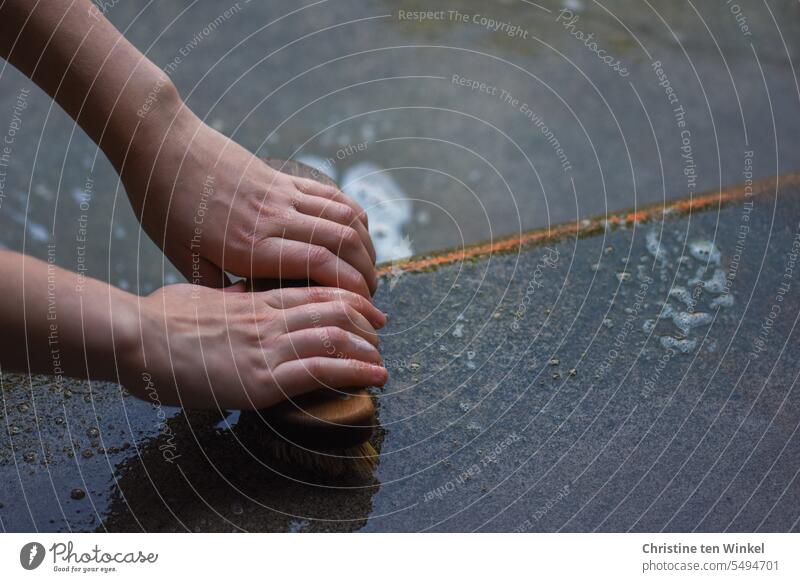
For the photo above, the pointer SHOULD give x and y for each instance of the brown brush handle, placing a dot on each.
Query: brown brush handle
(327, 419)
(330, 418)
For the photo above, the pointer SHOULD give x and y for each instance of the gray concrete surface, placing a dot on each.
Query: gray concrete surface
(286, 80)
(530, 391)
(479, 430)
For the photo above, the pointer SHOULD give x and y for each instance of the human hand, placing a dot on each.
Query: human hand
(225, 349)
(206, 201)
(212, 206)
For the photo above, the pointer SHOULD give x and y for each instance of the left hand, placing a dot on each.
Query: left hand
(212, 207)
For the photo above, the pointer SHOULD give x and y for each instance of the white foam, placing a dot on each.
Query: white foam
(654, 246)
(387, 206)
(722, 301)
(684, 346)
(682, 295)
(705, 251)
(685, 321)
(715, 285)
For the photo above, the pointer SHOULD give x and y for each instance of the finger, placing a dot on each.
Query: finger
(299, 376)
(326, 342)
(341, 240)
(299, 260)
(315, 315)
(314, 188)
(339, 213)
(297, 296)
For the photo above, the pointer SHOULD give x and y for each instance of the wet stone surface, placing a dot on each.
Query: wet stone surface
(531, 391)
(360, 88)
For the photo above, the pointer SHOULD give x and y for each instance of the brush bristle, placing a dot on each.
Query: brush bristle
(358, 462)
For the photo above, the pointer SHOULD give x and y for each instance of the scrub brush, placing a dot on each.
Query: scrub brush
(327, 432)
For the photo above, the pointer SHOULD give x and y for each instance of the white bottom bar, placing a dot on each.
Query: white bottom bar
(350, 557)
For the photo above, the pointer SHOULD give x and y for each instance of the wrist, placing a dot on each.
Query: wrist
(146, 113)
(155, 146)
(128, 344)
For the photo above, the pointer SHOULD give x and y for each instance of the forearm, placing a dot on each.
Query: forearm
(77, 56)
(56, 322)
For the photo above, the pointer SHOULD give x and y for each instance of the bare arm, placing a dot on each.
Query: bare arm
(256, 222)
(192, 346)
(44, 311)
(98, 77)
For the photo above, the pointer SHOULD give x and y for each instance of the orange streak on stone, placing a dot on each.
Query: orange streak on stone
(650, 212)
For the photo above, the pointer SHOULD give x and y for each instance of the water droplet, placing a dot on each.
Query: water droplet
(93, 433)
(77, 494)
(623, 277)
(554, 361)
(29, 457)
(87, 454)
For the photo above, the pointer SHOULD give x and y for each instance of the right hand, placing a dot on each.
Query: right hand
(224, 349)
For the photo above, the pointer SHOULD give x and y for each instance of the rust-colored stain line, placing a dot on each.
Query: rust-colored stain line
(581, 228)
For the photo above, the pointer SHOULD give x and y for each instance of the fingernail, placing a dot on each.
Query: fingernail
(381, 374)
(362, 343)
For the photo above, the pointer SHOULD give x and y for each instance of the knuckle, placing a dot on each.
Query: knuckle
(277, 216)
(337, 335)
(351, 312)
(349, 236)
(314, 367)
(319, 256)
(246, 237)
(337, 313)
(348, 215)
(299, 184)
(325, 190)
(317, 294)
(274, 298)
(359, 303)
